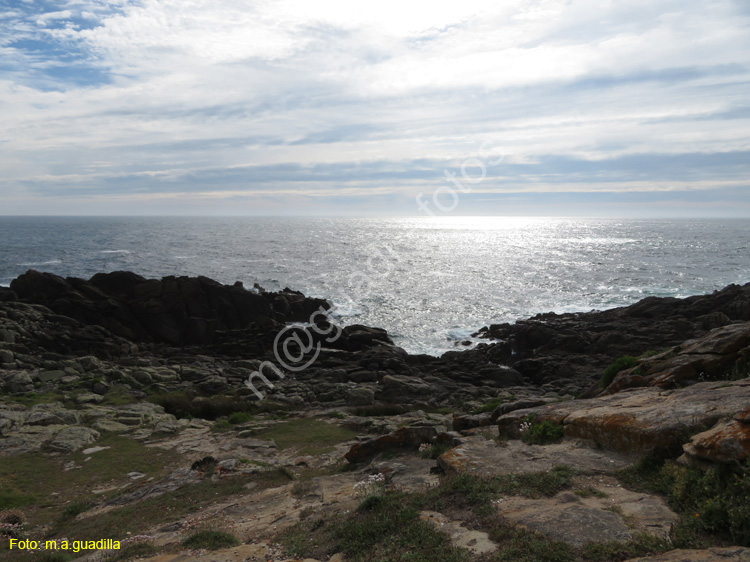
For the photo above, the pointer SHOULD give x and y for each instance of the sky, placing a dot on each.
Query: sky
(287, 107)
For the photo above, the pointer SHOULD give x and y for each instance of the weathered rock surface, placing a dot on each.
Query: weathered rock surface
(640, 420)
(727, 442)
(479, 455)
(476, 542)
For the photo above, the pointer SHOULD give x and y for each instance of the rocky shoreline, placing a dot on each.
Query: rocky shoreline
(87, 366)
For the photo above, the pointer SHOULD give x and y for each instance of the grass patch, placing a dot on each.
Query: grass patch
(168, 507)
(620, 364)
(522, 545)
(74, 509)
(118, 396)
(210, 540)
(33, 398)
(713, 505)
(489, 406)
(308, 436)
(641, 545)
(543, 433)
(30, 480)
(590, 492)
(433, 451)
(387, 527)
(240, 417)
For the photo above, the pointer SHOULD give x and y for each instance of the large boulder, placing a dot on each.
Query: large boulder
(728, 442)
(73, 438)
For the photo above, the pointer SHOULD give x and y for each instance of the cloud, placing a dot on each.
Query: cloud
(113, 99)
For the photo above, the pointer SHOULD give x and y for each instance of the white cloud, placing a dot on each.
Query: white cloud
(52, 16)
(199, 84)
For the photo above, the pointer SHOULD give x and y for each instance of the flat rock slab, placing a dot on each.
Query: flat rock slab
(484, 456)
(611, 514)
(476, 542)
(730, 554)
(573, 523)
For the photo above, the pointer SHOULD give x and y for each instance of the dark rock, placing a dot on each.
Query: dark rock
(174, 310)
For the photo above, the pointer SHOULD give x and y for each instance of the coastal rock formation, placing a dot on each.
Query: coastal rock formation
(157, 369)
(173, 310)
(552, 347)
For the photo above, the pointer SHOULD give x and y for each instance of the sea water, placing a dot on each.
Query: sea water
(430, 281)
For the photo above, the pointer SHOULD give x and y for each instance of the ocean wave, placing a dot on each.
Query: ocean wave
(34, 263)
(115, 251)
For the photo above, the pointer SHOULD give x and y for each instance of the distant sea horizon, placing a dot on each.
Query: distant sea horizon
(430, 281)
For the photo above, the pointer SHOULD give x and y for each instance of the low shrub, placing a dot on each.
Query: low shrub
(542, 433)
(489, 406)
(240, 417)
(73, 509)
(620, 364)
(210, 540)
(712, 503)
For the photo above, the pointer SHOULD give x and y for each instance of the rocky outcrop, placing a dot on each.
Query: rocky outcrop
(728, 442)
(640, 420)
(551, 348)
(720, 352)
(405, 437)
(174, 310)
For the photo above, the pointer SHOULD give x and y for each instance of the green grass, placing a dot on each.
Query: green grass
(543, 433)
(714, 505)
(478, 492)
(620, 364)
(210, 540)
(641, 545)
(38, 483)
(34, 398)
(240, 417)
(489, 406)
(590, 492)
(74, 509)
(387, 528)
(168, 507)
(517, 544)
(434, 451)
(118, 396)
(308, 436)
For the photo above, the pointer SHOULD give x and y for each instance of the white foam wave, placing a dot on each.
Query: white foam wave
(36, 263)
(115, 251)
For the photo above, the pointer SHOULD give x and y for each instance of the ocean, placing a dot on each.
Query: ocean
(430, 281)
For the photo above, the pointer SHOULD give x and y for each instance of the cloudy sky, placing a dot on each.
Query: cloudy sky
(574, 107)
